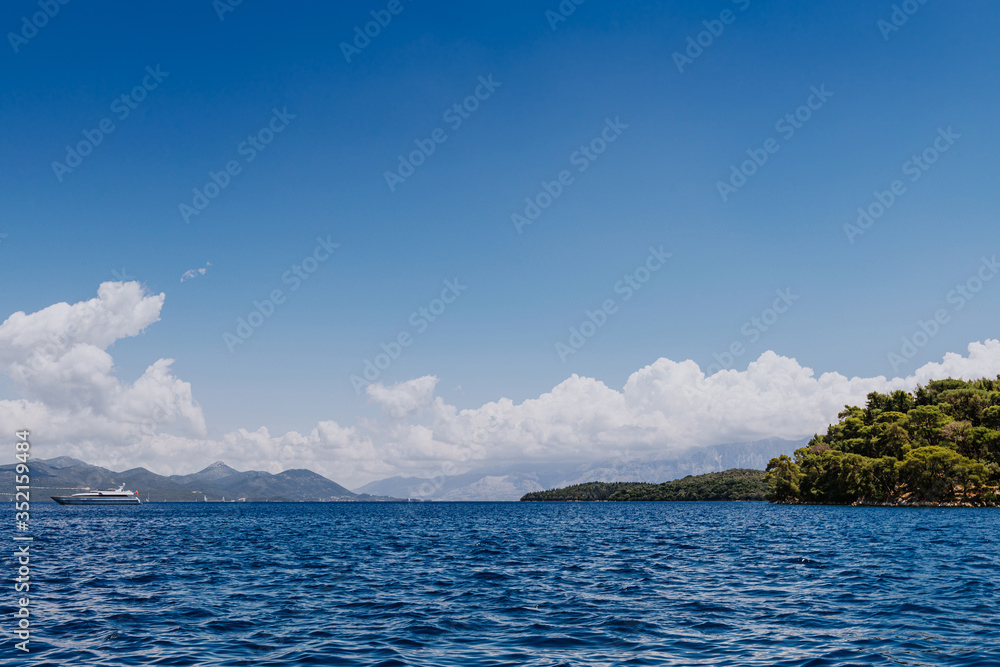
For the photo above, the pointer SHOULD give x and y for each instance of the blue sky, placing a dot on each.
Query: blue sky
(323, 176)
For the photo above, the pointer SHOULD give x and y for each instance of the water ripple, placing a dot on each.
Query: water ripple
(541, 584)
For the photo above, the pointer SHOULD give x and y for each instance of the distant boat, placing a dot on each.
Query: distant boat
(117, 497)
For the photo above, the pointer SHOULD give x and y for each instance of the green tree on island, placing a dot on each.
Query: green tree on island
(940, 444)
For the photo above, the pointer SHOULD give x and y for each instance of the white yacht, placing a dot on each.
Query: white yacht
(117, 497)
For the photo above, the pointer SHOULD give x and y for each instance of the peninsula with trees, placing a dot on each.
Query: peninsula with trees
(936, 446)
(939, 445)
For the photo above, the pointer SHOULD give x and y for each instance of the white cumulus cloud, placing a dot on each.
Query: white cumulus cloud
(58, 360)
(403, 398)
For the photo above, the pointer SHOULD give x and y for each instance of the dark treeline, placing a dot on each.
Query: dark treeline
(735, 484)
(940, 444)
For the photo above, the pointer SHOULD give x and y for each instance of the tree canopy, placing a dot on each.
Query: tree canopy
(940, 444)
(735, 484)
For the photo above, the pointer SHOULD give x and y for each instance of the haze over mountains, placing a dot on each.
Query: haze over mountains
(513, 481)
(64, 476)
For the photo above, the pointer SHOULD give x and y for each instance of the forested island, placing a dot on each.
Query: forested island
(939, 445)
(735, 484)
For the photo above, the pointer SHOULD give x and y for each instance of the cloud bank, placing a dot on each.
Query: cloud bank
(57, 360)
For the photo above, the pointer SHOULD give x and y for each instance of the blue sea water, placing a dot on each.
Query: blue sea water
(722, 584)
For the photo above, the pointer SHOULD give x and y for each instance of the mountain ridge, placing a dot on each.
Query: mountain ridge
(65, 476)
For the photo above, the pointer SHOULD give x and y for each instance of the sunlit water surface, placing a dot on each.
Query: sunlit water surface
(723, 584)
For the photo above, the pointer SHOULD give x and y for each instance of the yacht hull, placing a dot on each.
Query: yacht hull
(68, 500)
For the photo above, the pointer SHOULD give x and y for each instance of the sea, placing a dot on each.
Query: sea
(436, 584)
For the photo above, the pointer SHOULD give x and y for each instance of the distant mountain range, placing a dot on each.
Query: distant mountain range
(511, 482)
(65, 476)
